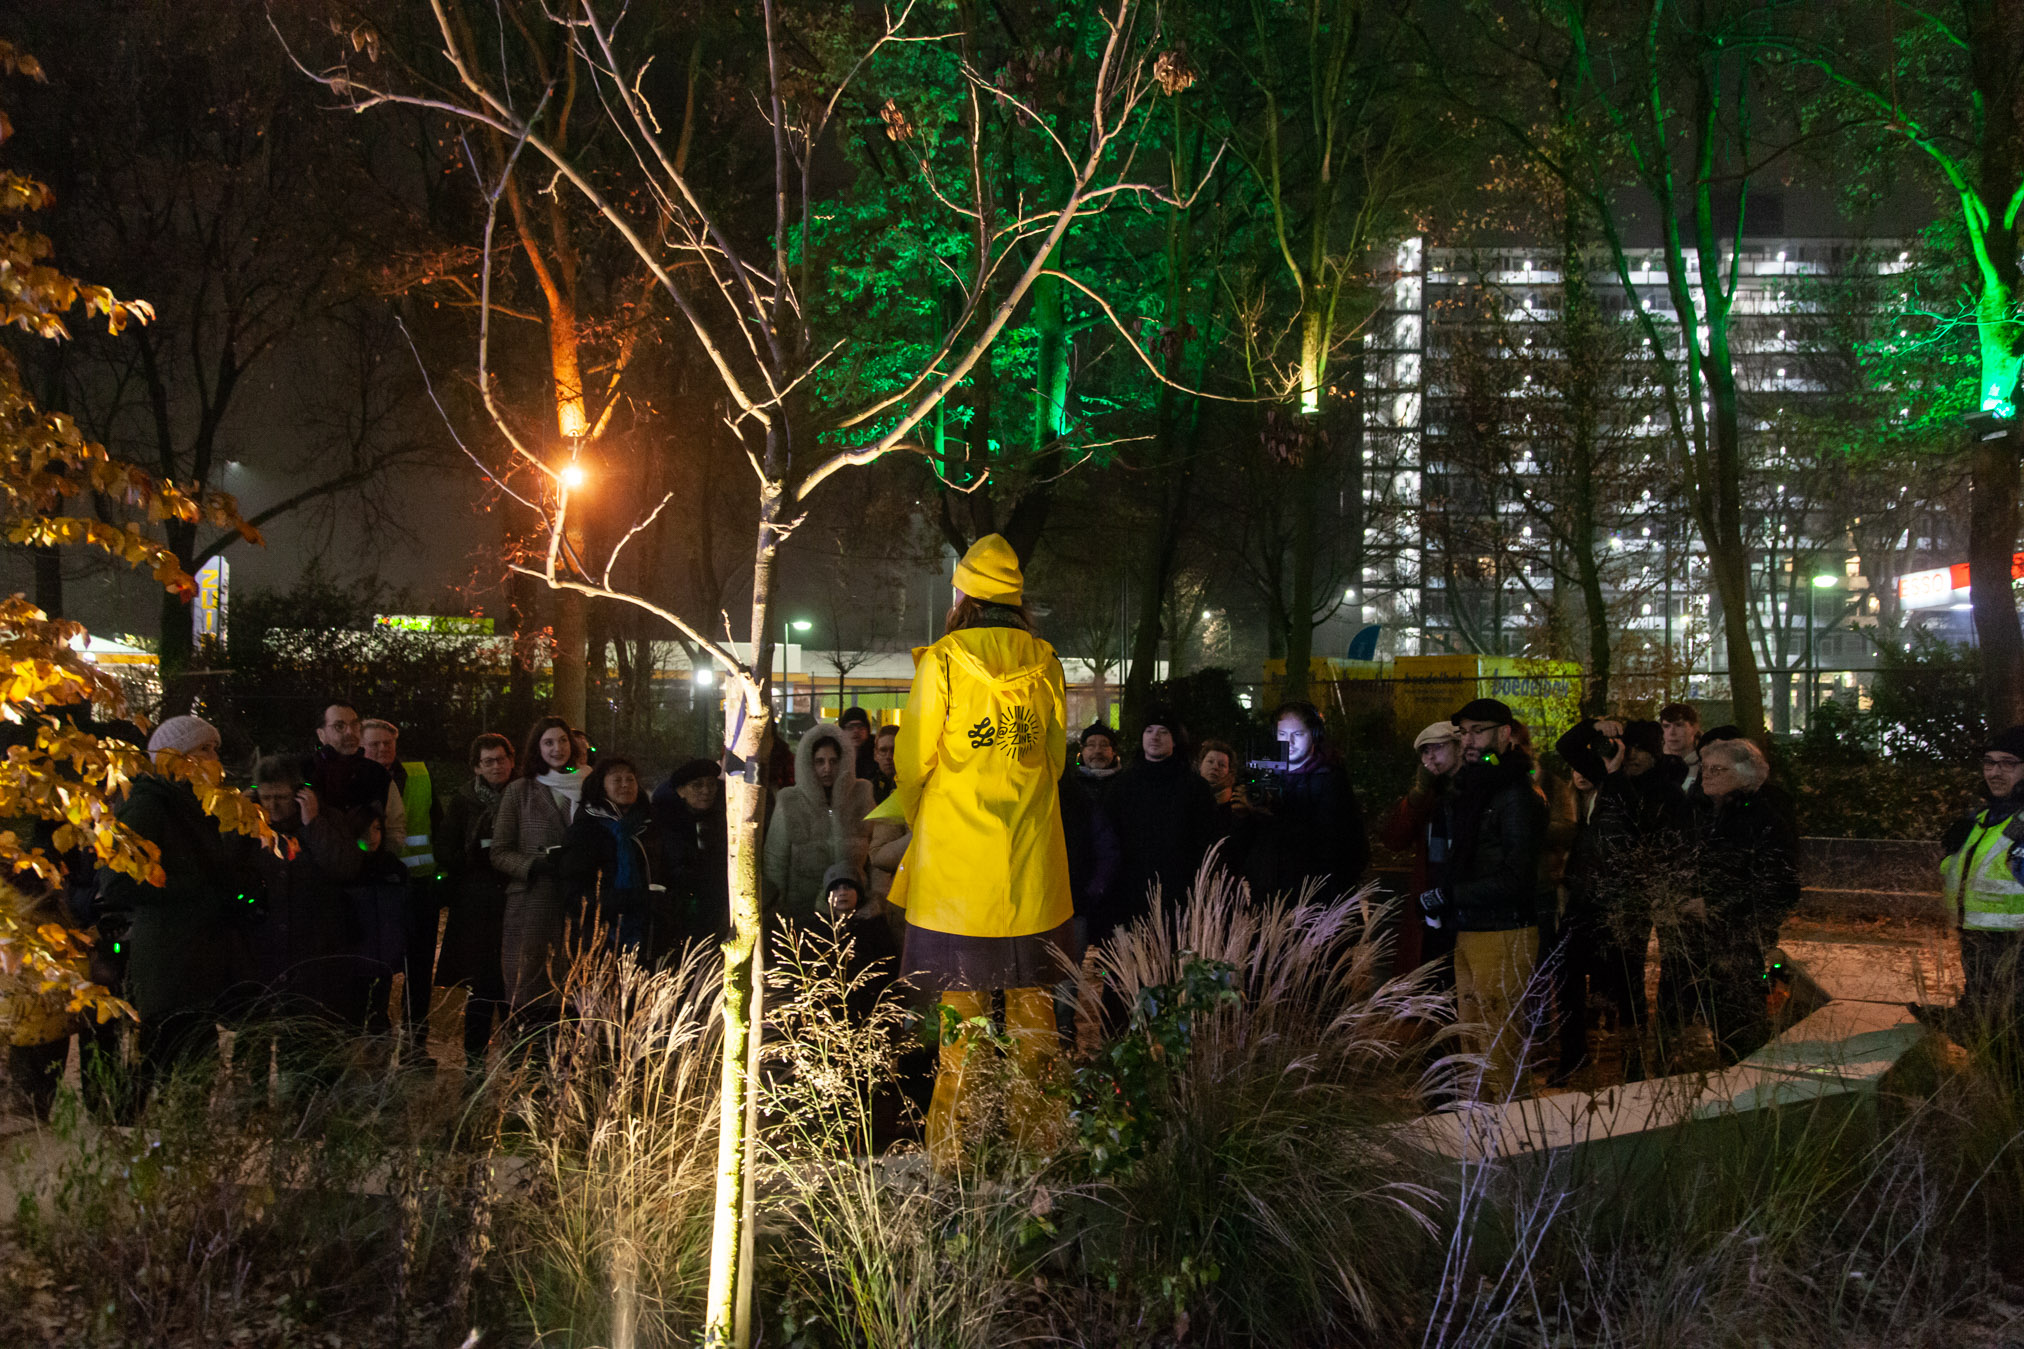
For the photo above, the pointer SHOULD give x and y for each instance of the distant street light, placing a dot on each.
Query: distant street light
(572, 476)
(1827, 582)
(787, 628)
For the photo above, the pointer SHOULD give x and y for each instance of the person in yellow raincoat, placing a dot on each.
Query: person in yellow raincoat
(985, 879)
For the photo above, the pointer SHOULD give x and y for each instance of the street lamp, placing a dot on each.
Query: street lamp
(787, 628)
(572, 476)
(1827, 582)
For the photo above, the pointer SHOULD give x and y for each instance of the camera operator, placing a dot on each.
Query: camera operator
(1315, 830)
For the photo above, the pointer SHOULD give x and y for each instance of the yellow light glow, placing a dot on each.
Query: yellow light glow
(572, 476)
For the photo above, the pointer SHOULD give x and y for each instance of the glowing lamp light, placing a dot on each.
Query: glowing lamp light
(704, 676)
(1826, 582)
(572, 476)
(802, 624)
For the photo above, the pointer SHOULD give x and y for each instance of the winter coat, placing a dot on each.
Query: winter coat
(611, 870)
(1623, 839)
(185, 940)
(348, 784)
(1165, 818)
(1092, 842)
(979, 753)
(695, 847)
(303, 945)
(529, 823)
(472, 887)
(1315, 830)
(1493, 828)
(810, 832)
(874, 947)
(1746, 864)
(1406, 829)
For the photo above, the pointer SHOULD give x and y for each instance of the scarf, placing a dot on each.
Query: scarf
(566, 787)
(627, 874)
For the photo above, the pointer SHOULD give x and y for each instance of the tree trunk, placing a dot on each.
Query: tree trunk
(1992, 541)
(177, 645)
(520, 593)
(49, 581)
(571, 699)
(1300, 580)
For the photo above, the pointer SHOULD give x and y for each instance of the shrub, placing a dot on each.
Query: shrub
(1265, 1200)
(297, 1188)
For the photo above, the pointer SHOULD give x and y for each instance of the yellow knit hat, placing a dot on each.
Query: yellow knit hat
(990, 571)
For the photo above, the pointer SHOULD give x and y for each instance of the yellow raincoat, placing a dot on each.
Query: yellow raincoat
(977, 764)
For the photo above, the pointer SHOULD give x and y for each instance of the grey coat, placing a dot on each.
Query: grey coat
(810, 832)
(529, 823)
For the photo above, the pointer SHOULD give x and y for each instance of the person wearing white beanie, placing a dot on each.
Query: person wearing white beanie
(190, 736)
(184, 934)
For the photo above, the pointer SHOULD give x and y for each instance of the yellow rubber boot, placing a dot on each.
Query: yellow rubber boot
(945, 1111)
(1037, 1120)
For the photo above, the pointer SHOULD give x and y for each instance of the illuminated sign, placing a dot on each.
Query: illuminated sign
(207, 615)
(1944, 585)
(461, 625)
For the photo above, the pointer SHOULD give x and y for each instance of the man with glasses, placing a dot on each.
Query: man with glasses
(345, 781)
(1489, 832)
(1982, 868)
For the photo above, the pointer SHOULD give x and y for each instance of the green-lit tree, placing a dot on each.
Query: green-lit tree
(1946, 83)
(1315, 101)
(758, 284)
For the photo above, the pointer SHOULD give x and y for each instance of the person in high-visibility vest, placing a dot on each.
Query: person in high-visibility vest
(412, 816)
(1982, 868)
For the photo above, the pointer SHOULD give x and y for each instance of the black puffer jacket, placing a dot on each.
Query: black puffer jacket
(1316, 830)
(1494, 826)
(1747, 865)
(1165, 819)
(186, 938)
(695, 844)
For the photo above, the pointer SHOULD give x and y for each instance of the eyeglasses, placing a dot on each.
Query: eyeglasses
(2002, 761)
(342, 723)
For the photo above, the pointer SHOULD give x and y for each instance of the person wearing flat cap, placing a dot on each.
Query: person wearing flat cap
(1438, 748)
(1982, 872)
(1489, 834)
(183, 938)
(984, 883)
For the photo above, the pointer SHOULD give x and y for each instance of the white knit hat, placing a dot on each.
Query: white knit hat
(183, 734)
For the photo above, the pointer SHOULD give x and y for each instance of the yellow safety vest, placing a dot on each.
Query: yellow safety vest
(417, 849)
(1978, 878)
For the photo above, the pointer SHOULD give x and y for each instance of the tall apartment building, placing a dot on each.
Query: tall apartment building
(1460, 499)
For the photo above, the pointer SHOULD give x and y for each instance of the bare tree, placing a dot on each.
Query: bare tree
(746, 286)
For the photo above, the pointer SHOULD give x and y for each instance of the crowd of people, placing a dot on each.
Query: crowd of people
(1536, 889)
(492, 885)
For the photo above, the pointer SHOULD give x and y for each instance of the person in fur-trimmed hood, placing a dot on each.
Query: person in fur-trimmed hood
(817, 823)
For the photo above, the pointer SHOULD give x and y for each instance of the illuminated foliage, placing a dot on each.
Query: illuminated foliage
(59, 783)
